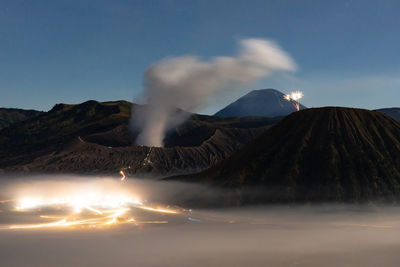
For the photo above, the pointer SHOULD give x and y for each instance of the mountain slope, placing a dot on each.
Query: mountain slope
(61, 124)
(392, 112)
(264, 102)
(94, 137)
(322, 154)
(9, 116)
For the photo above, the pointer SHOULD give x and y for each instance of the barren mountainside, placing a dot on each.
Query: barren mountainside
(94, 137)
(319, 154)
(9, 116)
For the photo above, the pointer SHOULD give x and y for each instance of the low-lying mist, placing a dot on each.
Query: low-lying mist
(272, 235)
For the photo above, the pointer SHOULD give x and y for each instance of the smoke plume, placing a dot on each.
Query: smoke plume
(188, 83)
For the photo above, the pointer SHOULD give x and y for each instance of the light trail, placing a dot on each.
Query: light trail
(78, 210)
(294, 96)
(158, 210)
(94, 210)
(123, 175)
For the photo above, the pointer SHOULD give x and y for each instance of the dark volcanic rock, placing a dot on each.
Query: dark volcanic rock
(84, 157)
(321, 154)
(264, 102)
(93, 137)
(9, 116)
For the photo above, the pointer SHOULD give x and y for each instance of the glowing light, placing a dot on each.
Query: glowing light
(146, 160)
(295, 96)
(84, 210)
(95, 210)
(159, 210)
(123, 175)
(78, 202)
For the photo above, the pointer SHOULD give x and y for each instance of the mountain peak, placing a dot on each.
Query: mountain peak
(318, 154)
(266, 90)
(263, 102)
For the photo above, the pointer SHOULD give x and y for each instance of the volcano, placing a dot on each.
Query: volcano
(264, 102)
(318, 154)
(94, 137)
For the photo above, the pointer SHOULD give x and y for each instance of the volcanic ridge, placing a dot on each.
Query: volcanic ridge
(318, 154)
(94, 137)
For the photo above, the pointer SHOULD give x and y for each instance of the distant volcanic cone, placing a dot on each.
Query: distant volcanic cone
(319, 154)
(264, 102)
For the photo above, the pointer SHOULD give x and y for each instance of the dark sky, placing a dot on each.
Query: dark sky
(72, 51)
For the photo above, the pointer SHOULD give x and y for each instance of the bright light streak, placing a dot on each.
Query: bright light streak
(90, 209)
(159, 210)
(70, 221)
(123, 175)
(95, 210)
(295, 96)
(79, 202)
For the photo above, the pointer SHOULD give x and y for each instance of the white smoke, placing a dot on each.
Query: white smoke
(187, 82)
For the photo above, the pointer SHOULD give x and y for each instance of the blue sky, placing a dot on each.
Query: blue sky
(72, 51)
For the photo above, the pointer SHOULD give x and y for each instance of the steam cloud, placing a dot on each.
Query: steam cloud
(188, 83)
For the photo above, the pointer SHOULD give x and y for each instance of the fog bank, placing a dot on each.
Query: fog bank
(274, 235)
